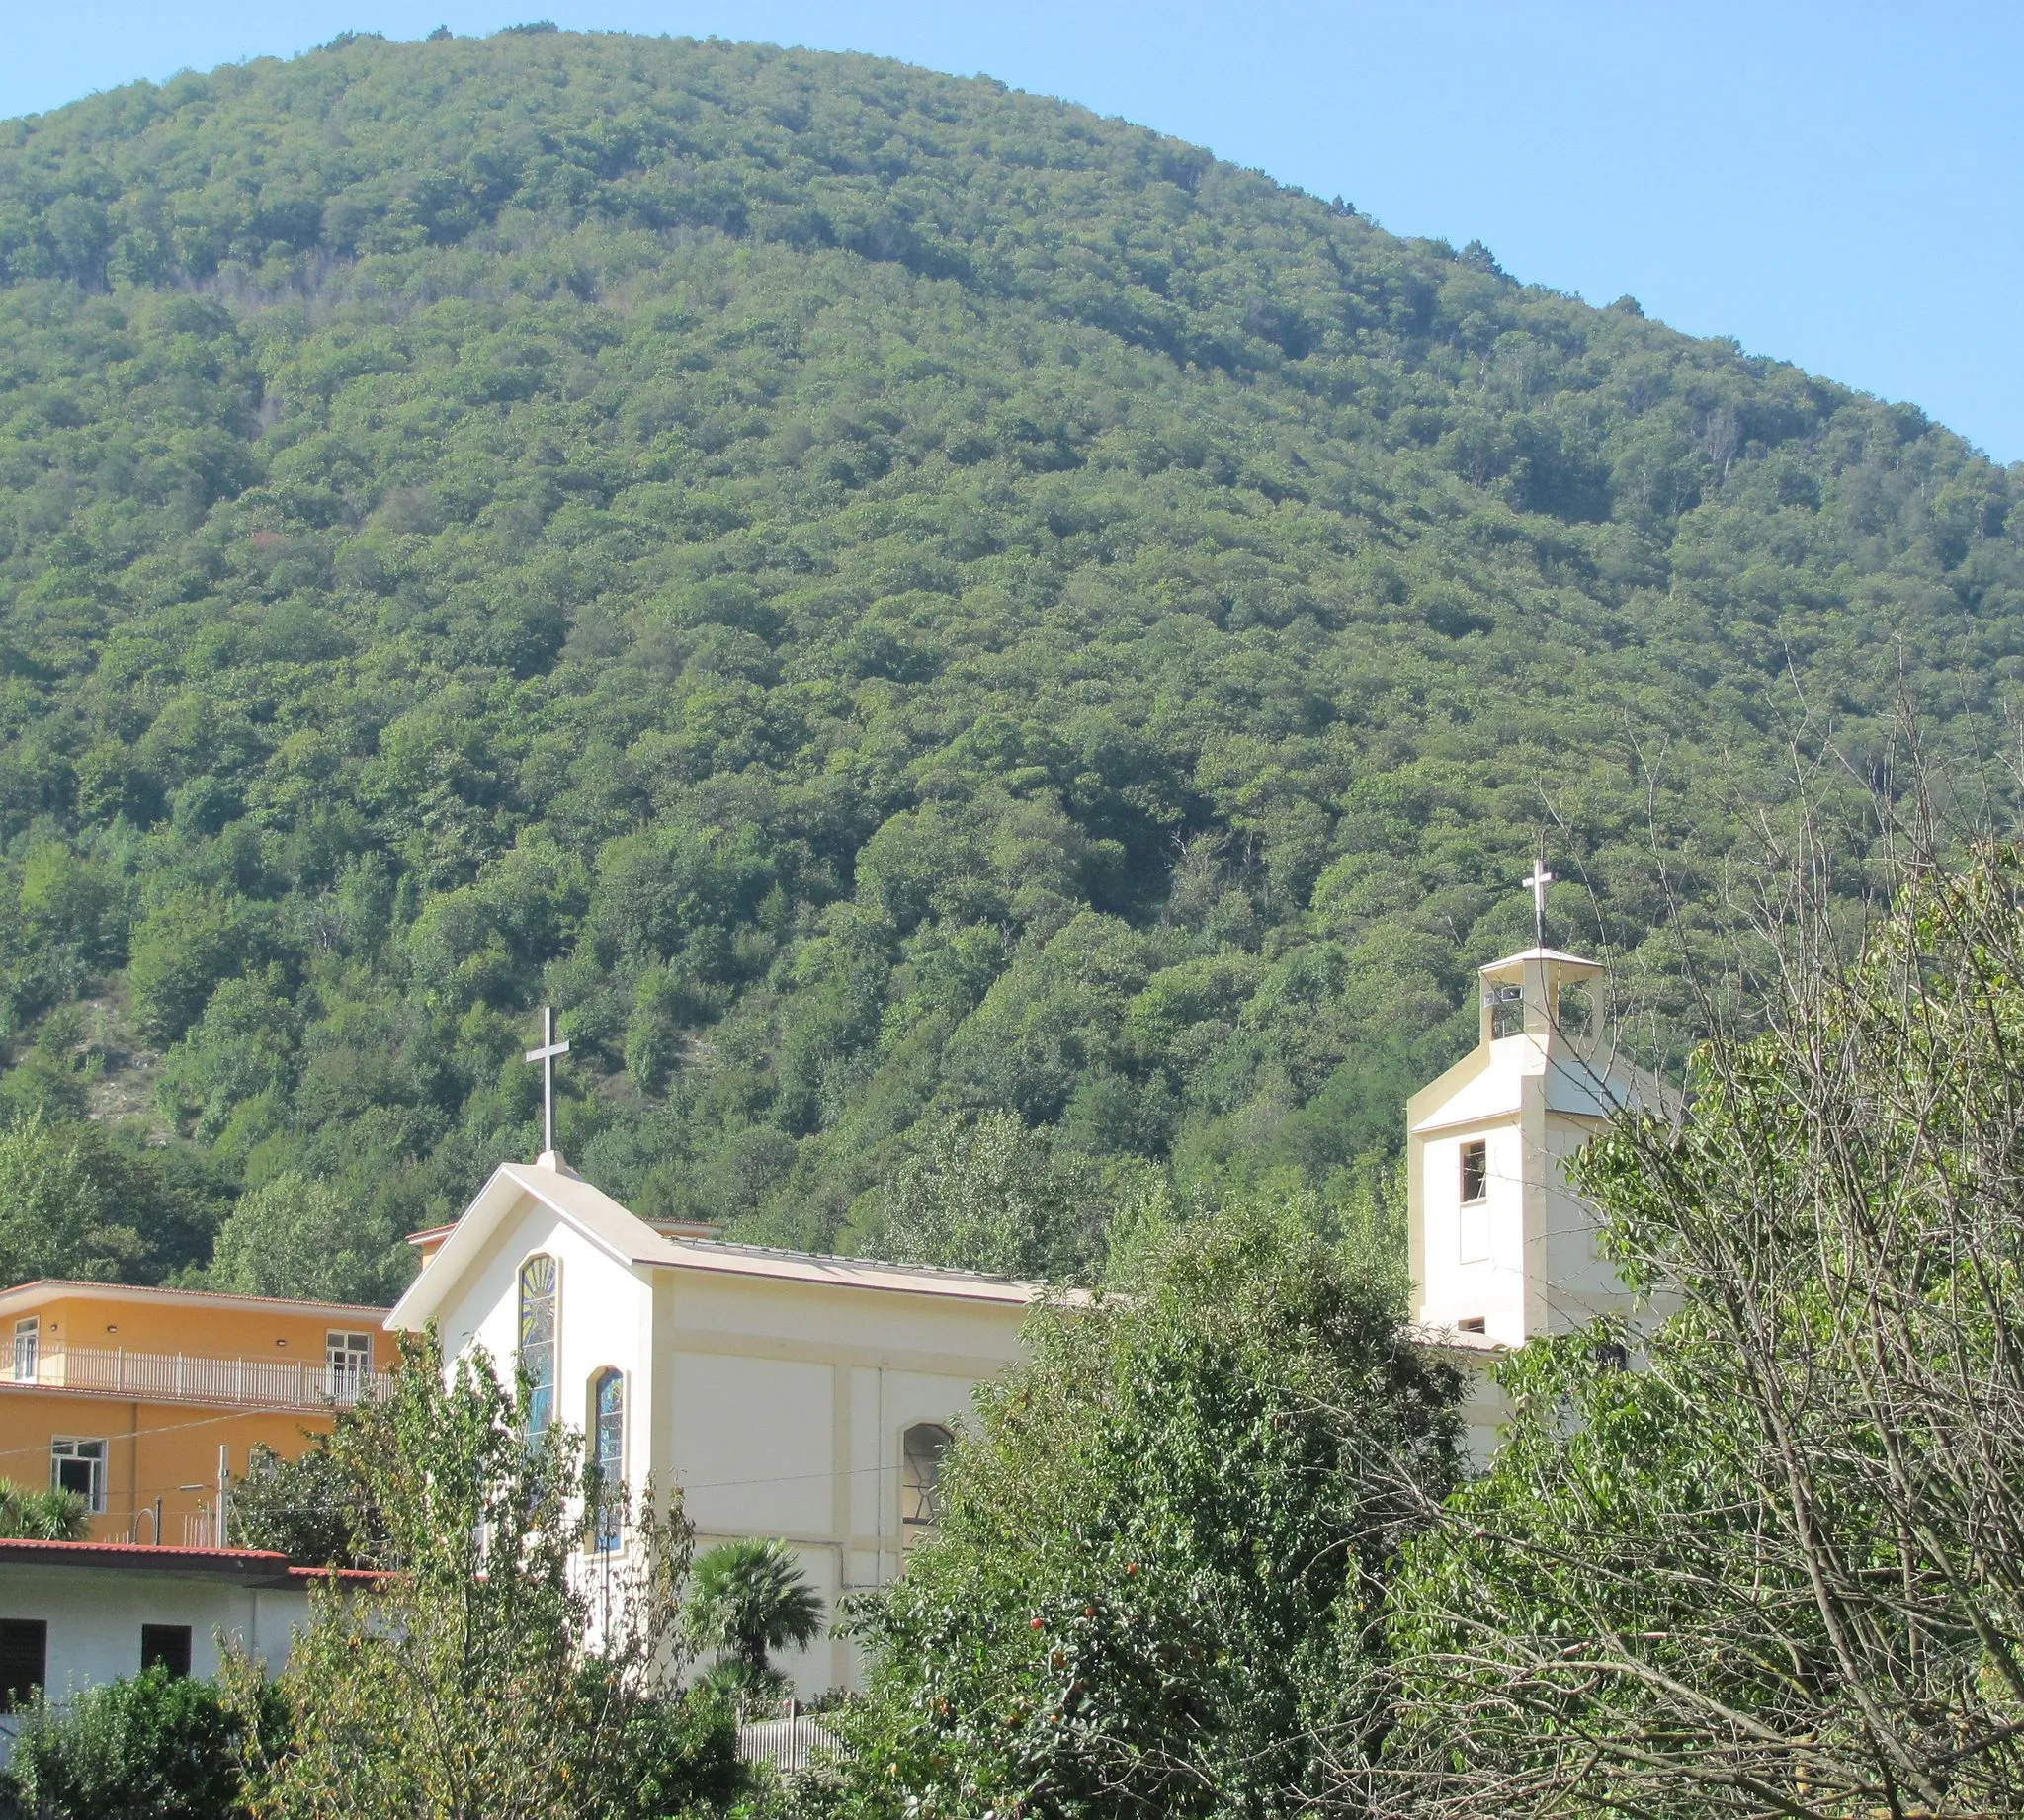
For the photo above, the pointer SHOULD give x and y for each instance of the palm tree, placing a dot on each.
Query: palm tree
(51, 1515)
(746, 1600)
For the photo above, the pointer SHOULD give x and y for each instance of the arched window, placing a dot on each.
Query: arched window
(920, 1471)
(608, 1454)
(538, 1340)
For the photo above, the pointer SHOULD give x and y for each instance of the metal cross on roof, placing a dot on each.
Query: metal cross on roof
(1536, 885)
(545, 1055)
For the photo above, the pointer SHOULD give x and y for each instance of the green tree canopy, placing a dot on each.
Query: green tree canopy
(62, 1209)
(990, 1194)
(1159, 1577)
(158, 1745)
(291, 1236)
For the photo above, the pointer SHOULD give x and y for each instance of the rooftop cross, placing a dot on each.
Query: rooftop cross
(1536, 885)
(545, 1055)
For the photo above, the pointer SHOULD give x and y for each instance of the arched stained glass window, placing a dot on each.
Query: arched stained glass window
(538, 1340)
(608, 1450)
(920, 1471)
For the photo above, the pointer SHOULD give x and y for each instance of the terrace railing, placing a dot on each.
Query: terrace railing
(186, 1378)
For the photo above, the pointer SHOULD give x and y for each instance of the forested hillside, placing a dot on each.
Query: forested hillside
(881, 597)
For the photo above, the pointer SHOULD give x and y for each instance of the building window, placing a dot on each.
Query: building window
(1476, 1170)
(167, 1647)
(1507, 1011)
(80, 1466)
(607, 1455)
(346, 1358)
(27, 1347)
(920, 1475)
(24, 1661)
(538, 1340)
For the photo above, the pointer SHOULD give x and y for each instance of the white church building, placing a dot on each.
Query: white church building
(810, 1398)
(807, 1398)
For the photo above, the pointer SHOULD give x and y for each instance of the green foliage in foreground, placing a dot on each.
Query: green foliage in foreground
(486, 1675)
(157, 1747)
(1775, 1568)
(1158, 1585)
(883, 597)
(311, 1508)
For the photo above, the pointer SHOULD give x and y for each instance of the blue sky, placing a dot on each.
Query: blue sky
(1842, 186)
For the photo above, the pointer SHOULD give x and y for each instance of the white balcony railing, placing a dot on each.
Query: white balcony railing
(180, 1377)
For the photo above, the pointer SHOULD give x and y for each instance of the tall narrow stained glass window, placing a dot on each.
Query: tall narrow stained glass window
(538, 1340)
(608, 1443)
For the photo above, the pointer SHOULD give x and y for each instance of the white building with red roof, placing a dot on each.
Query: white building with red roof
(76, 1614)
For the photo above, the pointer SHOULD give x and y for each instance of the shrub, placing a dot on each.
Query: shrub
(157, 1747)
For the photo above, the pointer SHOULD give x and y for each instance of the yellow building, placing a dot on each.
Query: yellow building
(141, 1399)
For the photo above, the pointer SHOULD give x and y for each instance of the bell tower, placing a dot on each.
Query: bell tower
(1500, 1246)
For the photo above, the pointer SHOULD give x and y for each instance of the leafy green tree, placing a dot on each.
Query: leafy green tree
(484, 1674)
(244, 1047)
(991, 1194)
(746, 1600)
(309, 1508)
(1165, 1547)
(45, 1515)
(61, 1212)
(1774, 1568)
(291, 1236)
(181, 948)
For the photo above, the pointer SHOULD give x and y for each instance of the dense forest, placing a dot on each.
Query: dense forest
(887, 601)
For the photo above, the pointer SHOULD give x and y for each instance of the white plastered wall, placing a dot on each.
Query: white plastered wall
(604, 1319)
(787, 1405)
(1474, 1256)
(95, 1614)
(1583, 1281)
(776, 1405)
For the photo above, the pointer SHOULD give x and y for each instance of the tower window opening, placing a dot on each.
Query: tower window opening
(1507, 1011)
(1476, 1171)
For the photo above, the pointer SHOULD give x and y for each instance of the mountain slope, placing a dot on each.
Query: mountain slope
(878, 595)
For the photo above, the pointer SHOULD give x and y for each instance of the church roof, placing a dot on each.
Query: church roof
(1574, 1083)
(630, 1240)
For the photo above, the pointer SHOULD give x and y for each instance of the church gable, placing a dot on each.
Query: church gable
(786, 1395)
